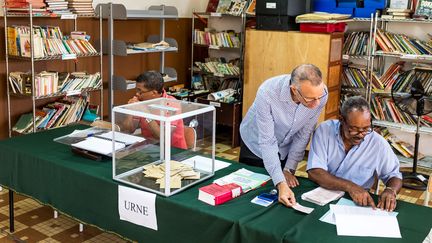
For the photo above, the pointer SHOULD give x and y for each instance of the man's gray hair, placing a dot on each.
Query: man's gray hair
(355, 103)
(306, 72)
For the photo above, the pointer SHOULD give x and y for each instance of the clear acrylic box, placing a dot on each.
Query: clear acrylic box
(160, 130)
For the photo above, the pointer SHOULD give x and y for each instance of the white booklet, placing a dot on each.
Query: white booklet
(321, 196)
(247, 179)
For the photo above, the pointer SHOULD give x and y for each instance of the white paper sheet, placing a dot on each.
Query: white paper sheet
(138, 207)
(361, 221)
(329, 216)
(98, 145)
(204, 163)
(122, 137)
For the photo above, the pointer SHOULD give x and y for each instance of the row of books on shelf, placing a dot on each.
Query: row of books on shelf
(356, 43)
(210, 37)
(386, 109)
(401, 44)
(52, 6)
(218, 67)
(233, 7)
(356, 76)
(47, 41)
(47, 83)
(401, 147)
(60, 113)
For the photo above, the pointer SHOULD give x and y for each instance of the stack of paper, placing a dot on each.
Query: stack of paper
(178, 172)
(98, 145)
(365, 221)
(248, 180)
(322, 196)
(122, 137)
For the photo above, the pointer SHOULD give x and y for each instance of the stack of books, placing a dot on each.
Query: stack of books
(48, 41)
(401, 44)
(81, 7)
(37, 5)
(356, 44)
(60, 113)
(210, 37)
(395, 13)
(48, 83)
(58, 6)
(400, 146)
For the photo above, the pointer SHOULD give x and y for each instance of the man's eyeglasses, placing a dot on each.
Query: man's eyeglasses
(354, 131)
(310, 100)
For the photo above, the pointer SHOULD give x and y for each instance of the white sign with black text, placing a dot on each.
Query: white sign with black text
(138, 207)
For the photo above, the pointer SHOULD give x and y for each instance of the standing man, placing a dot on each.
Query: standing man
(278, 125)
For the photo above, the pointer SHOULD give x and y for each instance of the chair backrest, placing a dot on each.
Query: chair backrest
(190, 137)
(104, 124)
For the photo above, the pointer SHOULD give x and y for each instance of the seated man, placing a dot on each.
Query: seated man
(149, 85)
(345, 155)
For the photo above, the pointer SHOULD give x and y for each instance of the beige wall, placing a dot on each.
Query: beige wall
(184, 6)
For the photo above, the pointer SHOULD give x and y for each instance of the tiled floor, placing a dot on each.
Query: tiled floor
(35, 223)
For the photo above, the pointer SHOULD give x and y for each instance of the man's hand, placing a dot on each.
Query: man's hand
(286, 196)
(133, 100)
(387, 200)
(290, 179)
(360, 196)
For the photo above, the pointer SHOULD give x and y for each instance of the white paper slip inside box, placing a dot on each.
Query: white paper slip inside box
(204, 163)
(361, 221)
(322, 196)
(122, 137)
(98, 145)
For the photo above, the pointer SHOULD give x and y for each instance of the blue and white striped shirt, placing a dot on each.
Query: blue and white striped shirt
(276, 124)
(372, 156)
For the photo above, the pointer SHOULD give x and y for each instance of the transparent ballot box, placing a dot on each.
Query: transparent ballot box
(178, 132)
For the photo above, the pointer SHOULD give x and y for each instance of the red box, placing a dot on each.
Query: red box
(323, 28)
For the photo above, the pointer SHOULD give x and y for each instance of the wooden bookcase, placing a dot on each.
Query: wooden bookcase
(272, 53)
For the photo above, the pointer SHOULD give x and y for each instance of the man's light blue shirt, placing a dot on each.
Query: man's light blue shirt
(276, 124)
(372, 156)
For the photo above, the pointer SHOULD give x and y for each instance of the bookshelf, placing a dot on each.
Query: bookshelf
(217, 60)
(36, 46)
(383, 64)
(153, 43)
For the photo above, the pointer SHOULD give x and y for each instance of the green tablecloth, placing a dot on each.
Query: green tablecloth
(47, 171)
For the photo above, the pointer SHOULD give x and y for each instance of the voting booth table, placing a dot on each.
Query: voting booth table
(36, 166)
